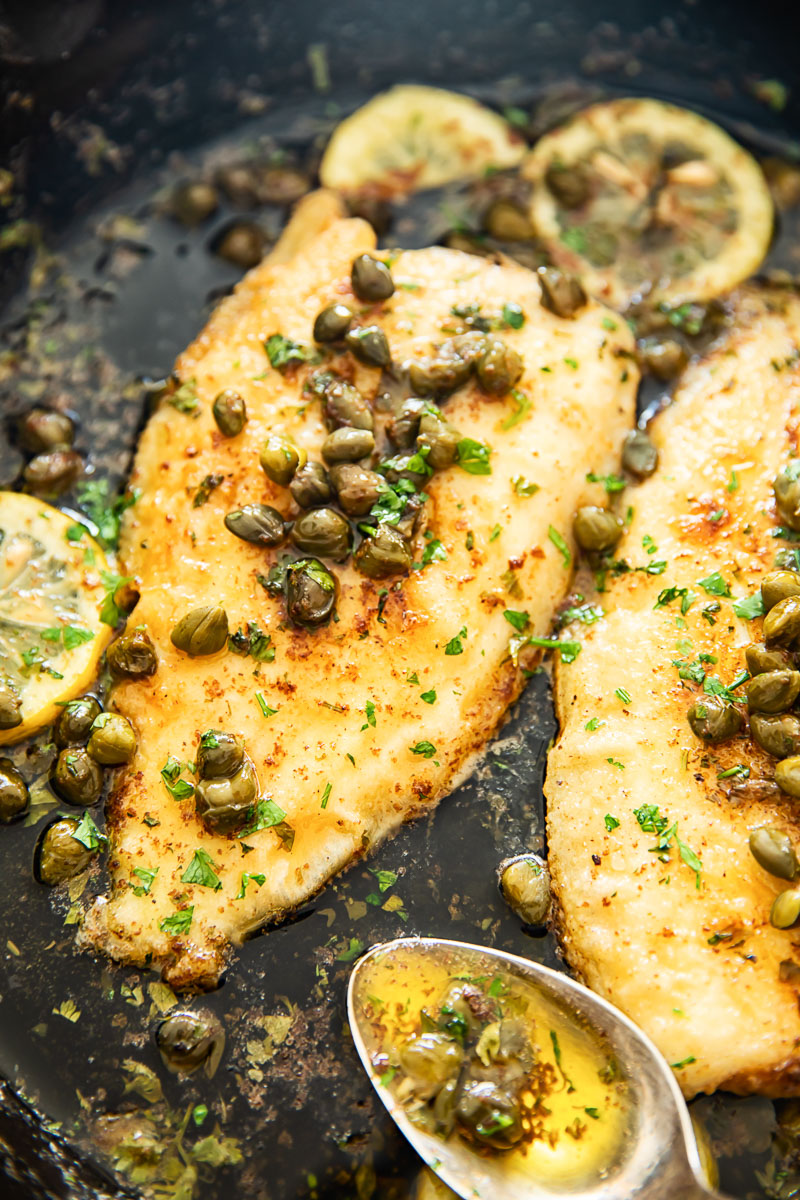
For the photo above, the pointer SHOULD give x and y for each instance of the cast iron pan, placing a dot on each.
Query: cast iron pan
(102, 105)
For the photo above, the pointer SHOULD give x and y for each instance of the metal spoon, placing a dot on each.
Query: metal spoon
(658, 1159)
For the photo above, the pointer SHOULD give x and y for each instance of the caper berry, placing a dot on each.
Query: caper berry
(259, 524)
(10, 705)
(430, 1059)
(357, 489)
(490, 1114)
(53, 473)
(785, 911)
(280, 459)
(787, 775)
(384, 553)
(347, 445)
(132, 656)
(786, 486)
(223, 802)
(404, 424)
(230, 412)
(344, 405)
(773, 691)
(525, 885)
(499, 367)
(440, 439)
(310, 592)
(782, 623)
(311, 486)
(596, 528)
(714, 719)
(569, 185)
(188, 1040)
(639, 455)
(759, 659)
(43, 429)
(243, 244)
(193, 203)
(663, 357)
(779, 735)
(219, 755)
(508, 223)
(201, 631)
(323, 532)
(777, 585)
(60, 855)
(13, 792)
(773, 850)
(371, 279)
(332, 323)
(370, 345)
(561, 294)
(74, 723)
(77, 778)
(112, 741)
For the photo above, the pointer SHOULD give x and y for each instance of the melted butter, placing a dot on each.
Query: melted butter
(576, 1111)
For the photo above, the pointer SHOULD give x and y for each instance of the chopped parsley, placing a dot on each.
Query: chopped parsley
(178, 922)
(201, 871)
(750, 607)
(522, 406)
(587, 614)
(369, 710)
(88, 834)
(569, 651)
(651, 820)
(676, 1066)
(593, 723)
(179, 789)
(623, 695)
(104, 513)
(513, 316)
(611, 823)
(560, 545)
(523, 486)
(667, 595)
(715, 585)
(209, 484)
(519, 620)
(252, 641)
(425, 749)
(110, 612)
(473, 456)
(429, 697)
(69, 636)
(248, 877)
(433, 552)
(386, 879)
(455, 646)
(183, 396)
(145, 875)
(740, 771)
(282, 352)
(612, 483)
(266, 711)
(265, 814)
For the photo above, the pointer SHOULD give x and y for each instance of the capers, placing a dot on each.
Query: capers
(77, 778)
(242, 244)
(561, 294)
(224, 801)
(230, 412)
(714, 719)
(786, 486)
(754, 791)
(324, 532)
(61, 856)
(74, 723)
(332, 323)
(10, 705)
(219, 755)
(202, 631)
(490, 1114)
(759, 659)
(440, 439)
(53, 473)
(499, 367)
(188, 1040)
(430, 1059)
(773, 691)
(639, 455)
(311, 486)
(357, 489)
(785, 911)
(193, 203)
(787, 775)
(570, 185)
(595, 528)
(43, 429)
(779, 735)
(112, 740)
(404, 424)
(132, 656)
(310, 592)
(370, 345)
(384, 553)
(13, 792)
(347, 445)
(259, 524)
(787, 558)
(344, 405)
(282, 185)
(663, 357)
(371, 279)
(280, 459)
(508, 223)
(525, 884)
(773, 850)
(450, 368)
(782, 623)
(777, 585)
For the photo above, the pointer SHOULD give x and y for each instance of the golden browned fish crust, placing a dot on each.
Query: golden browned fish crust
(321, 682)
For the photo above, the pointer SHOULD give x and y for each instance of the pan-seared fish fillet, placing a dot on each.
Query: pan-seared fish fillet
(697, 968)
(344, 775)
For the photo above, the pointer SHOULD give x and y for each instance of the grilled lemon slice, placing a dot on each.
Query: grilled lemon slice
(51, 595)
(414, 137)
(638, 196)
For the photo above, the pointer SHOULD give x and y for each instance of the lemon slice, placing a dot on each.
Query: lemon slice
(414, 137)
(638, 197)
(51, 593)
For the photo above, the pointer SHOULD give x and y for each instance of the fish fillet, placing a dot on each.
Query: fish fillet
(345, 778)
(696, 967)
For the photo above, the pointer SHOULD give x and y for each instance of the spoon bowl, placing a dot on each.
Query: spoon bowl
(655, 1159)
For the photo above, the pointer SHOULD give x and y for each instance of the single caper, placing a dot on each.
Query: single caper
(596, 528)
(371, 279)
(499, 367)
(223, 802)
(257, 523)
(201, 631)
(332, 323)
(639, 455)
(345, 405)
(450, 368)
(779, 735)
(53, 473)
(219, 755)
(323, 532)
(508, 223)
(281, 185)
(230, 412)
(280, 458)
(714, 719)
(777, 585)
(404, 424)
(370, 345)
(188, 1040)
(10, 705)
(773, 850)
(569, 184)
(193, 203)
(357, 489)
(440, 439)
(13, 792)
(759, 659)
(382, 554)
(43, 429)
(77, 778)
(525, 885)
(754, 791)
(132, 656)
(240, 184)
(430, 1059)
(490, 1114)
(347, 445)
(561, 294)
(74, 723)
(773, 691)
(310, 592)
(785, 911)
(242, 244)
(786, 486)
(60, 855)
(663, 357)
(787, 775)
(311, 486)
(112, 740)
(787, 559)
(782, 623)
